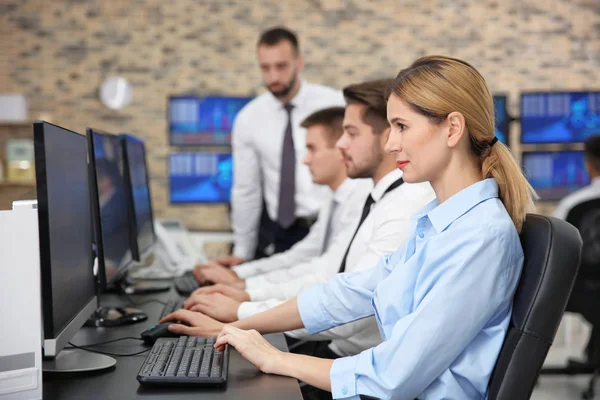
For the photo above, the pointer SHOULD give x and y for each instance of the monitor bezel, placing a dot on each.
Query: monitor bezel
(103, 282)
(135, 250)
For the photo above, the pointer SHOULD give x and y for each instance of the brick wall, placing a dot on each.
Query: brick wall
(59, 52)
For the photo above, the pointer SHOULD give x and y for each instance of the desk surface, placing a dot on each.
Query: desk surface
(244, 380)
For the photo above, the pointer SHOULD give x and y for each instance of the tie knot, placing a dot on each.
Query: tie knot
(288, 107)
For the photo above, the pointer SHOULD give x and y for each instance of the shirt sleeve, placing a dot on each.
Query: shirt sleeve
(306, 249)
(246, 193)
(387, 234)
(345, 298)
(461, 286)
(249, 308)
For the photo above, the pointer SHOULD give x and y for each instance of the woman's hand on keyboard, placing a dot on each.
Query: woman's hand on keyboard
(199, 324)
(252, 346)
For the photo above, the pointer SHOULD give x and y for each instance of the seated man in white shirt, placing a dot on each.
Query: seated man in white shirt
(585, 296)
(340, 213)
(592, 191)
(383, 227)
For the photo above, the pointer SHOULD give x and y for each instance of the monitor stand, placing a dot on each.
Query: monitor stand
(115, 316)
(74, 360)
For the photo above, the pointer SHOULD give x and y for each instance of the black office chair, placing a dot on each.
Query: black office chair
(552, 250)
(585, 297)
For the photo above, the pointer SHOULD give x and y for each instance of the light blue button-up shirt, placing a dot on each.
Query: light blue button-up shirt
(442, 302)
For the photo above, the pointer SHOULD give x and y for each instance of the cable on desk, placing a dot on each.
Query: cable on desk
(107, 353)
(112, 341)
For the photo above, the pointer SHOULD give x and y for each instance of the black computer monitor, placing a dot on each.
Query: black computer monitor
(136, 179)
(112, 234)
(65, 235)
(559, 117)
(200, 177)
(110, 207)
(203, 121)
(555, 174)
(502, 119)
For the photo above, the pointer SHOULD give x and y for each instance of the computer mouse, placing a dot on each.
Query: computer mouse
(157, 331)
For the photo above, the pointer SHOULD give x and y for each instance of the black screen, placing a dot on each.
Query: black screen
(142, 205)
(65, 225)
(114, 254)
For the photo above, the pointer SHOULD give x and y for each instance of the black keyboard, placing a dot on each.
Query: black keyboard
(173, 304)
(186, 283)
(187, 360)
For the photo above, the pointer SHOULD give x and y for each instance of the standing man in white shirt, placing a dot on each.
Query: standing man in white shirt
(385, 222)
(339, 213)
(268, 148)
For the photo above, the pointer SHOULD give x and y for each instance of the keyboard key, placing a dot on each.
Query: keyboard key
(217, 364)
(146, 369)
(157, 348)
(201, 341)
(181, 342)
(184, 366)
(192, 340)
(205, 368)
(195, 364)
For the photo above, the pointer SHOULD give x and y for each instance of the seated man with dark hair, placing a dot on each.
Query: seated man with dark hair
(582, 209)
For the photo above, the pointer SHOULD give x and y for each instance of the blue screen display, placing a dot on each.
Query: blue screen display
(200, 177)
(555, 174)
(565, 117)
(501, 118)
(206, 121)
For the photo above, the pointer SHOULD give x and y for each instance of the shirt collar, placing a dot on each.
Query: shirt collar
(298, 100)
(344, 190)
(442, 215)
(384, 183)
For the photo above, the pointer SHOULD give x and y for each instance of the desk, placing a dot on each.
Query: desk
(244, 380)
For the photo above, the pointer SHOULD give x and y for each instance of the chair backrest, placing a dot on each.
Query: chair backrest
(586, 218)
(552, 249)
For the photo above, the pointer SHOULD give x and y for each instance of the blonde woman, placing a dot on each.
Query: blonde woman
(442, 301)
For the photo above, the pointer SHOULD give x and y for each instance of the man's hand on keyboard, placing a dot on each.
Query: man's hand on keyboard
(230, 261)
(199, 324)
(231, 292)
(217, 274)
(215, 305)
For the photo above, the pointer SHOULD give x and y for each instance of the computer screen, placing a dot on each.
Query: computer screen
(559, 117)
(139, 191)
(205, 121)
(65, 226)
(109, 205)
(200, 177)
(555, 174)
(502, 118)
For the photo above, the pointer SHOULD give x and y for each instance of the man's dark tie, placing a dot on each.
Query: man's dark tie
(287, 185)
(366, 210)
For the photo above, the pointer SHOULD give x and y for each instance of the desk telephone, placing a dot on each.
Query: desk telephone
(175, 252)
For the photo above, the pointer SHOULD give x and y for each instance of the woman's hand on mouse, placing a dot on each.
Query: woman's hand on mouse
(199, 324)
